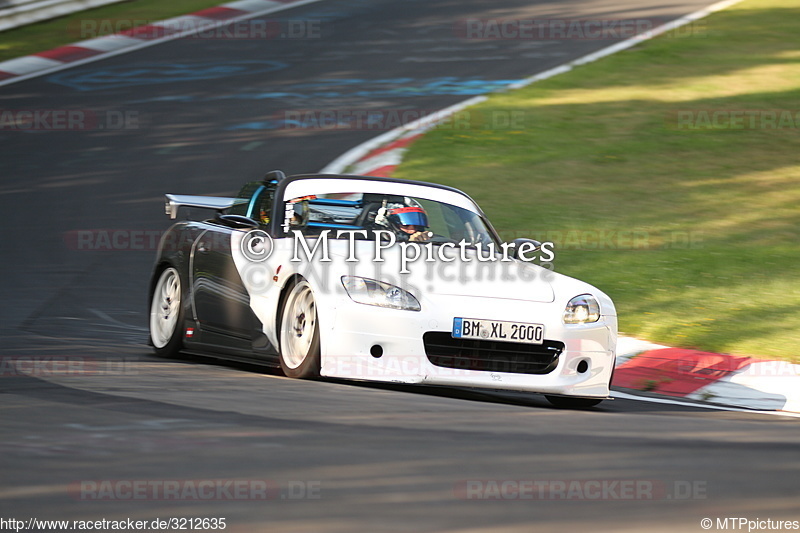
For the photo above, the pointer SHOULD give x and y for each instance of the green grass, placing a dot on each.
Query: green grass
(715, 211)
(87, 24)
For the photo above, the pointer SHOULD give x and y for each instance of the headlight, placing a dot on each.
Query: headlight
(582, 309)
(371, 292)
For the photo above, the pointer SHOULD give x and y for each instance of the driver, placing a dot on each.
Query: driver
(409, 222)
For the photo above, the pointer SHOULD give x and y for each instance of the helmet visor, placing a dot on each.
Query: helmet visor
(410, 216)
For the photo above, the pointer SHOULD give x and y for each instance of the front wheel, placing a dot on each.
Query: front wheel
(166, 313)
(565, 402)
(299, 339)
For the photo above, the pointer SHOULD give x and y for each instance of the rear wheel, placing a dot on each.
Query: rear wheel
(166, 313)
(299, 333)
(566, 402)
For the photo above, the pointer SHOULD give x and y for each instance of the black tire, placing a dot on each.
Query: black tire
(167, 313)
(565, 402)
(299, 333)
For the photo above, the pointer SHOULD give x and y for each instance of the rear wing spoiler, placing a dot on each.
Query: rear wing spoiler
(174, 201)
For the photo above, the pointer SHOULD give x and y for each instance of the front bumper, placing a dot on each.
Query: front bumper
(377, 344)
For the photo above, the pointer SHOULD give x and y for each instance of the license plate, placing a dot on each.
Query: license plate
(498, 330)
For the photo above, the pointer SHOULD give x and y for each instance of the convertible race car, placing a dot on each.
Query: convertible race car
(376, 279)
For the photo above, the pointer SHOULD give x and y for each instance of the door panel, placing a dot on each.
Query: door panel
(221, 303)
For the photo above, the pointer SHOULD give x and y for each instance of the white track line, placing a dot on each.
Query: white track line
(626, 396)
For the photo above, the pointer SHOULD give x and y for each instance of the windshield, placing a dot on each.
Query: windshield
(408, 218)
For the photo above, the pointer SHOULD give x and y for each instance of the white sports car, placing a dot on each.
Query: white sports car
(377, 279)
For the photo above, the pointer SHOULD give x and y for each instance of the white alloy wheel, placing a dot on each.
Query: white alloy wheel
(166, 311)
(300, 333)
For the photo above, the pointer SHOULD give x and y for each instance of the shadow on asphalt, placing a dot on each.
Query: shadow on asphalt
(521, 399)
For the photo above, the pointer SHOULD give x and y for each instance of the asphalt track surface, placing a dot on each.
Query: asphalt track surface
(337, 456)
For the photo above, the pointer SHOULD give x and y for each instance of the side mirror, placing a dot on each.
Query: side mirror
(523, 246)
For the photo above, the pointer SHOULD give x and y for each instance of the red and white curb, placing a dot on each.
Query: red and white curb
(380, 155)
(383, 161)
(729, 380)
(681, 374)
(82, 52)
